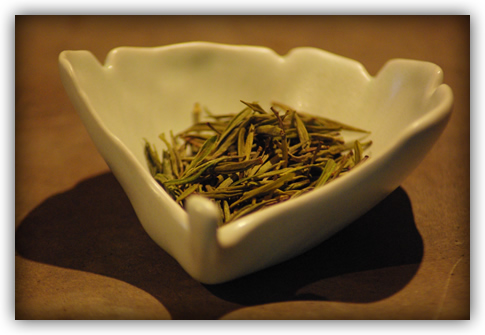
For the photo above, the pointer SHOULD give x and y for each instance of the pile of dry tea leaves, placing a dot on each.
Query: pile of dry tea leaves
(253, 159)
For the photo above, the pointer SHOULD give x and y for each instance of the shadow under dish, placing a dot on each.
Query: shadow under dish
(93, 228)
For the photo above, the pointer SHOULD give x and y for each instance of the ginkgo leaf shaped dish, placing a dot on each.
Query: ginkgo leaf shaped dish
(138, 93)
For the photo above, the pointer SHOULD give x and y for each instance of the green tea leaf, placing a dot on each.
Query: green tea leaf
(234, 123)
(255, 107)
(265, 188)
(201, 155)
(357, 152)
(151, 155)
(227, 168)
(191, 189)
(253, 159)
(326, 173)
(302, 131)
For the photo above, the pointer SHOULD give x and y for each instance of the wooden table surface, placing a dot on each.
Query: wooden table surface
(82, 254)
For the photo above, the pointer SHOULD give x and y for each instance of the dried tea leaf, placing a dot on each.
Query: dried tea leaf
(302, 131)
(191, 189)
(153, 160)
(358, 152)
(262, 190)
(201, 155)
(326, 173)
(253, 159)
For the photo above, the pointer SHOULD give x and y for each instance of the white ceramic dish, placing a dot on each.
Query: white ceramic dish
(141, 92)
